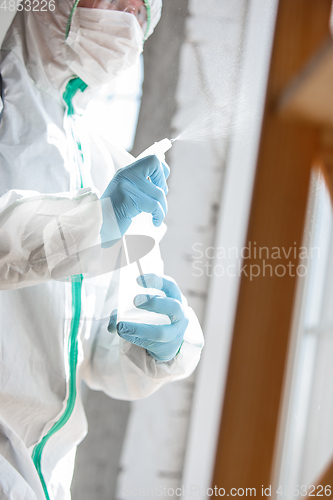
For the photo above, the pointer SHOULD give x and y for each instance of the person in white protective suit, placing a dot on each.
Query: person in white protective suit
(55, 174)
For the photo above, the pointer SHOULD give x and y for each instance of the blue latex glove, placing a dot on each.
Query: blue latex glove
(139, 187)
(161, 341)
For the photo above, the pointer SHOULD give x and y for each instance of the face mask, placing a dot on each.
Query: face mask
(102, 44)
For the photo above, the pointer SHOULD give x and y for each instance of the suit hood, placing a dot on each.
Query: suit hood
(38, 40)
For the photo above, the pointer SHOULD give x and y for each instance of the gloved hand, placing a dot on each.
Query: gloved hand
(139, 187)
(161, 341)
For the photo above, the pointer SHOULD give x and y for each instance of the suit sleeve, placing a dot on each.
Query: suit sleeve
(38, 232)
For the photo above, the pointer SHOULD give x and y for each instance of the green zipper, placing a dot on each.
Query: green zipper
(71, 89)
(73, 352)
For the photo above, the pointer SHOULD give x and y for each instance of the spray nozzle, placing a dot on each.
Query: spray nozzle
(159, 149)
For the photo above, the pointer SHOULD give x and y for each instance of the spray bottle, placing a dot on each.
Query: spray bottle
(158, 148)
(150, 263)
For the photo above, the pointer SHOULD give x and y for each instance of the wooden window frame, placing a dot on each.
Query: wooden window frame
(289, 144)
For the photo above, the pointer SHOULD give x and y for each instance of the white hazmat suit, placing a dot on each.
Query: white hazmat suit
(53, 168)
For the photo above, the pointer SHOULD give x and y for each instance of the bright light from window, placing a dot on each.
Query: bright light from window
(114, 115)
